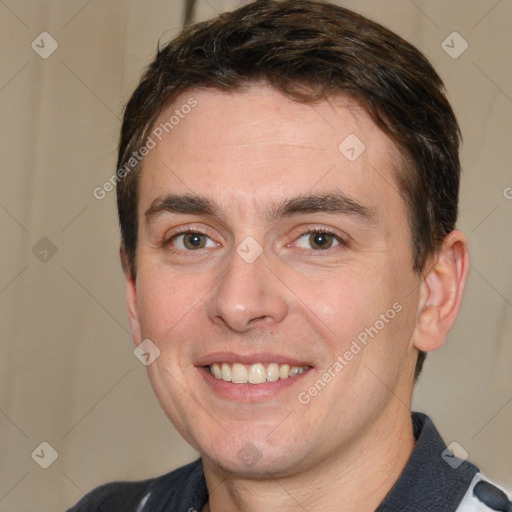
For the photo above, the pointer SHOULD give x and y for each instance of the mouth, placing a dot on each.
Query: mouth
(257, 373)
(249, 378)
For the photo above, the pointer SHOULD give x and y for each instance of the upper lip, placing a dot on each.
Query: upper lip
(248, 359)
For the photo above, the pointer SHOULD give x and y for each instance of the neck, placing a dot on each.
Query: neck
(357, 478)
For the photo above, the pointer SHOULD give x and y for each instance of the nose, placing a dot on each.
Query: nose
(248, 295)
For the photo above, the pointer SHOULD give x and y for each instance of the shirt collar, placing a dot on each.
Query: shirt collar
(433, 479)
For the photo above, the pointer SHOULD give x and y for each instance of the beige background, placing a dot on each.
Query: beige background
(68, 375)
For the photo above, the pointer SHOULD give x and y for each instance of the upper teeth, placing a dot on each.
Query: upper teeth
(254, 373)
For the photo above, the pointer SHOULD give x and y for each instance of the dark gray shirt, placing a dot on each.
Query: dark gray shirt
(432, 481)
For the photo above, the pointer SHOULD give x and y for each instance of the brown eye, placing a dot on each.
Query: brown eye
(194, 240)
(319, 240)
(190, 241)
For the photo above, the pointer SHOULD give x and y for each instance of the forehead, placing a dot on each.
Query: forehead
(249, 148)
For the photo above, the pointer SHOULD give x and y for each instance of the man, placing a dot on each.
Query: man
(288, 186)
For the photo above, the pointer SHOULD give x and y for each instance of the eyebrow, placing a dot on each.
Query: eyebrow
(335, 203)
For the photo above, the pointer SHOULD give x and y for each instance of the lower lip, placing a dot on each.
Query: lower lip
(249, 392)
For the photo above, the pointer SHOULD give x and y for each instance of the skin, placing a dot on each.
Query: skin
(246, 151)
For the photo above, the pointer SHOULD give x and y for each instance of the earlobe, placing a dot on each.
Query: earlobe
(131, 299)
(441, 292)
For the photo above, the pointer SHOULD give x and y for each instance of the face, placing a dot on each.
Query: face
(274, 274)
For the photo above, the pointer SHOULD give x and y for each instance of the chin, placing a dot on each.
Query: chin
(251, 462)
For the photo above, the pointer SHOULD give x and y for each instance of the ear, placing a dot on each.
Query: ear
(441, 292)
(131, 297)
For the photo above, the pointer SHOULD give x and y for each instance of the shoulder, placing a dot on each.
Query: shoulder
(126, 496)
(483, 495)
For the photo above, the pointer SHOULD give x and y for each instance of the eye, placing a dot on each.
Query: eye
(320, 239)
(190, 241)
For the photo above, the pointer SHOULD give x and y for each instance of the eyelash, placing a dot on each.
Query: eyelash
(188, 231)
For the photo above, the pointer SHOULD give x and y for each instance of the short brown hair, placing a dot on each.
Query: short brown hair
(311, 50)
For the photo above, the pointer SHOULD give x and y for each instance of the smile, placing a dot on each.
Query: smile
(257, 373)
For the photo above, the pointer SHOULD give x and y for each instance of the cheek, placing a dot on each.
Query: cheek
(369, 306)
(337, 304)
(166, 303)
